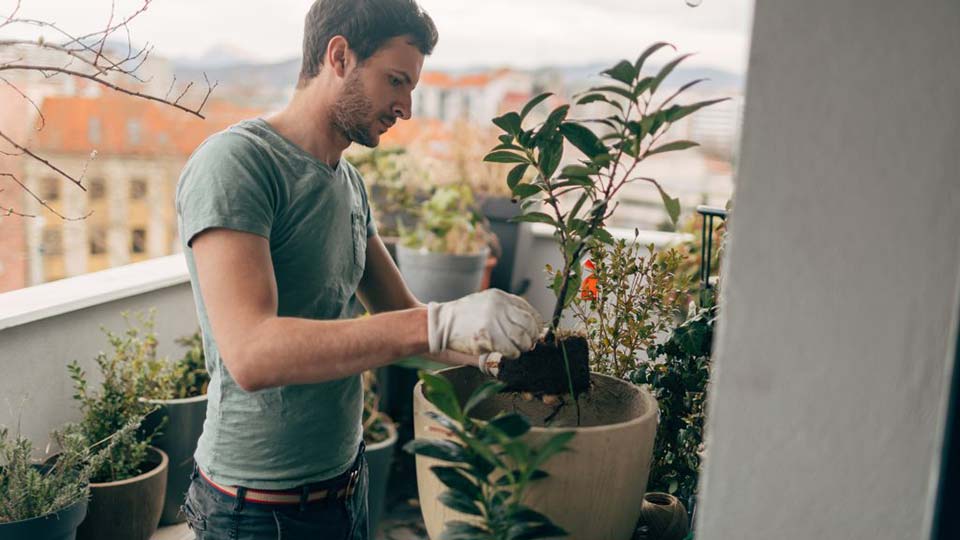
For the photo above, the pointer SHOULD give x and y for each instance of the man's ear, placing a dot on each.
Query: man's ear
(338, 55)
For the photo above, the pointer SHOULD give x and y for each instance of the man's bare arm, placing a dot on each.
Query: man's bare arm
(262, 350)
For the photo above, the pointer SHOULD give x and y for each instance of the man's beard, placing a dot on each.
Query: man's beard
(352, 112)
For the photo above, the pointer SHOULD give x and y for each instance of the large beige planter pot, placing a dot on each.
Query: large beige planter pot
(594, 492)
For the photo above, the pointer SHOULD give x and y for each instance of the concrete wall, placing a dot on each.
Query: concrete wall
(35, 388)
(838, 319)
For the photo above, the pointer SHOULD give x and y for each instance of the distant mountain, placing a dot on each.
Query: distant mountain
(218, 56)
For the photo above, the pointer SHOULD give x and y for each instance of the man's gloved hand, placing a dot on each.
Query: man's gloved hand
(483, 322)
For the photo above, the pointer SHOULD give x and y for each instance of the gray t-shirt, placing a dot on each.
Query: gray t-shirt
(250, 178)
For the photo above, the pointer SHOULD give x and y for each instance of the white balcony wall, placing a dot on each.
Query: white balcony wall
(43, 328)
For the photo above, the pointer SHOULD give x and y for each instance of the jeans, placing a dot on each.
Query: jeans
(213, 515)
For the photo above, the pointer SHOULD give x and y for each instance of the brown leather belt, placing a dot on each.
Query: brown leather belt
(287, 496)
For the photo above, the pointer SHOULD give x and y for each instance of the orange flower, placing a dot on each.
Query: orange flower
(588, 290)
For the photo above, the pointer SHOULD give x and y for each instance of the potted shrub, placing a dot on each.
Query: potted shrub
(380, 436)
(485, 466)
(614, 420)
(128, 488)
(48, 501)
(392, 199)
(178, 419)
(444, 257)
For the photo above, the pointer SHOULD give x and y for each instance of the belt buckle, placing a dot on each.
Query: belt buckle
(352, 483)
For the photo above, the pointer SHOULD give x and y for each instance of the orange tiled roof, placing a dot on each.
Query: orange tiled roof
(162, 129)
(443, 80)
(406, 132)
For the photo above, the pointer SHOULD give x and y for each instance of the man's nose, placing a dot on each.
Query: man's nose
(401, 109)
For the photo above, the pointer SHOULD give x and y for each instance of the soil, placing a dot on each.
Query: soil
(541, 371)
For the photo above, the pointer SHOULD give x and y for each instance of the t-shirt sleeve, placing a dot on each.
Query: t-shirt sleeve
(225, 184)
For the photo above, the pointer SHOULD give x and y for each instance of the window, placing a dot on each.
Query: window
(49, 189)
(133, 131)
(93, 130)
(138, 189)
(138, 243)
(52, 242)
(98, 241)
(96, 188)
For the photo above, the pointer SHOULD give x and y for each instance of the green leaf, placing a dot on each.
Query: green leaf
(503, 156)
(624, 92)
(534, 217)
(460, 502)
(672, 147)
(484, 391)
(461, 530)
(556, 444)
(642, 86)
(672, 205)
(516, 174)
(509, 122)
(576, 170)
(681, 90)
(506, 146)
(649, 51)
(579, 204)
(437, 449)
(526, 190)
(666, 70)
(444, 421)
(533, 103)
(604, 236)
(551, 154)
(591, 98)
(506, 139)
(534, 532)
(623, 72)
(453, 478)
(439, 391)
(583, 138)
(676, 112)
(512, 425)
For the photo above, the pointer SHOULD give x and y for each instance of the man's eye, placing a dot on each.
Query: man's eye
(394, 81)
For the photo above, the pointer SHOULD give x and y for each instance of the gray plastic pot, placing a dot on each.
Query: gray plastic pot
(440, 277)
(379, 459)
(127, 509)
(60, 525)
(178, 438)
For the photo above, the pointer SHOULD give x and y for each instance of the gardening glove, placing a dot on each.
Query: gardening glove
(483, 322)
(490, 364)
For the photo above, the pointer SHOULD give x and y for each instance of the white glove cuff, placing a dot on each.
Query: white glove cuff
(435, 335)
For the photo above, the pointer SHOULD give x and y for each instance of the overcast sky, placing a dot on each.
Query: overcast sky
(519, 33)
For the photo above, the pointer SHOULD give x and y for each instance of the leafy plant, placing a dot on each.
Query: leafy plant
(393, 200)
(449, 223)
(190, 377)
(678, 373)
(612, 153)
(488, 466)
(630, 299)
(131, 374)
(30, 490)
(375, 423)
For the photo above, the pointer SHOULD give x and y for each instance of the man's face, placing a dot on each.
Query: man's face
(377, 92)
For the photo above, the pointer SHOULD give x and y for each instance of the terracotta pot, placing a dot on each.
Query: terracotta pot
(487, 272)
(594, 492)
(127, 509)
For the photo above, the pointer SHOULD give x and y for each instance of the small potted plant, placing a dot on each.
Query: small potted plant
(445, 256)
(392, 198)
(128, 488)
(181, 401)
(615, 420)
(49, 500)
(486, 467)
(380, 436)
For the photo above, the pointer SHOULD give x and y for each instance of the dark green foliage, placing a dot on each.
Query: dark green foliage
(190, 377)
(678, 373)
(488, 466)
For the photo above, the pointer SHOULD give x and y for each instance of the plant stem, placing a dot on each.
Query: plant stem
(566, 365)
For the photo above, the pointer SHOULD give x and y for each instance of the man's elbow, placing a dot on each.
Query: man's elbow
(243, 371)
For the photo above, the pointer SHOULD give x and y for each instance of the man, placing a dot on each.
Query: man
(280, 245)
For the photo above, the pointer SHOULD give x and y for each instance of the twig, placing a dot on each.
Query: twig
(43, 121)
(41, 201)
(46, 162)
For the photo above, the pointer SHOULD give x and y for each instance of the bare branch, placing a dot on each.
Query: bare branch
(43, 121)
(53, 167)
(106, 34)
(12, 16)
(55, 70)
(42, 202)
